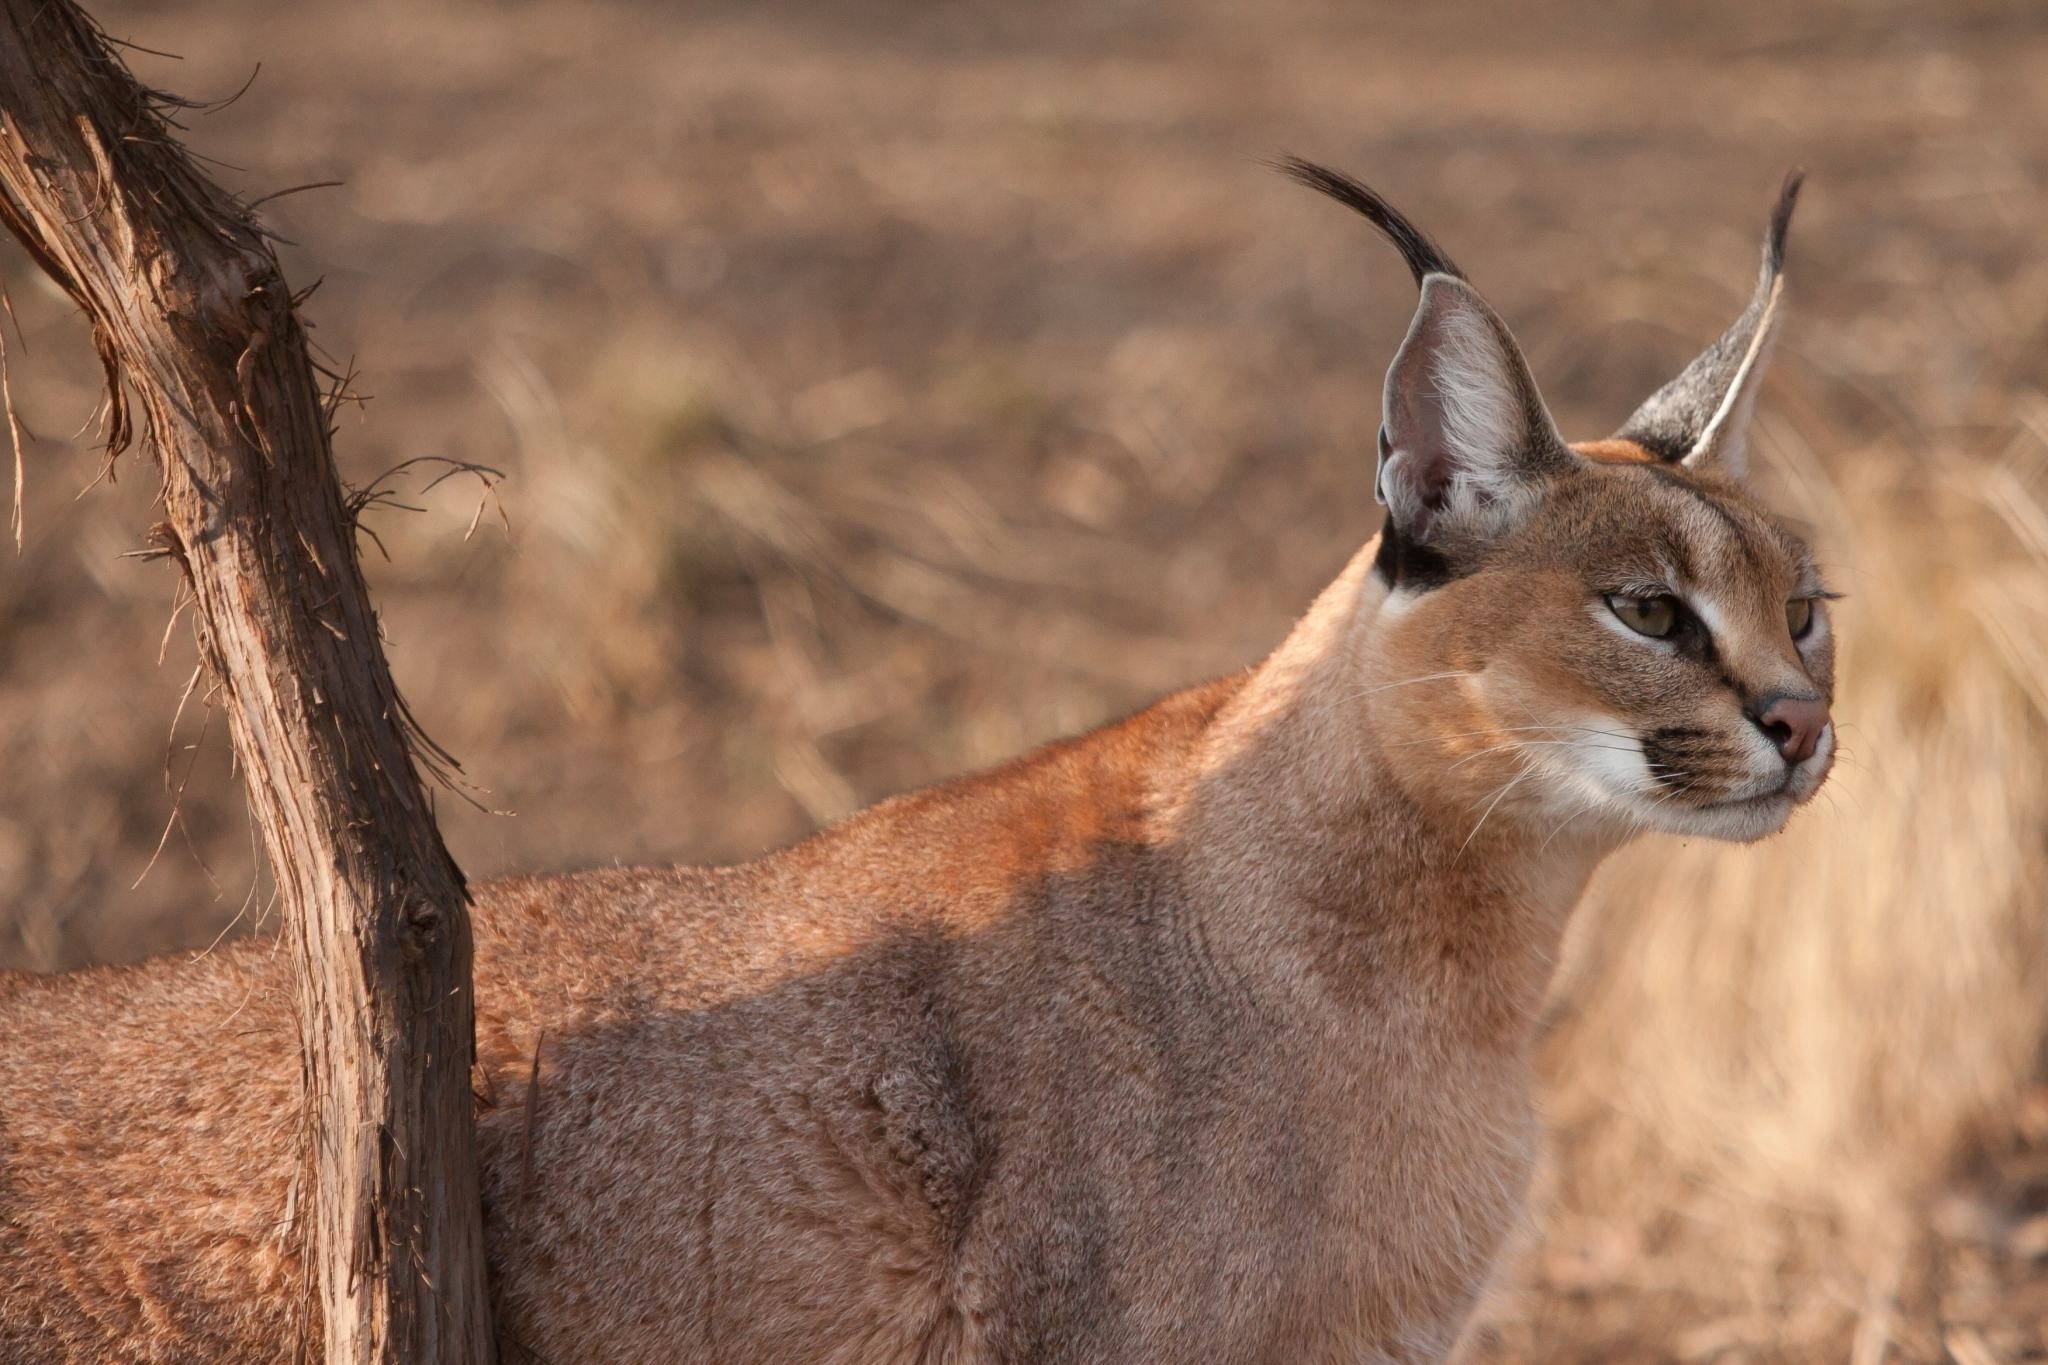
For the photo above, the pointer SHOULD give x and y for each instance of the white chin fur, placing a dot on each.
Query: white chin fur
(1737, 822)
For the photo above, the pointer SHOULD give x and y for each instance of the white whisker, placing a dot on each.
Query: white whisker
(1497, 798)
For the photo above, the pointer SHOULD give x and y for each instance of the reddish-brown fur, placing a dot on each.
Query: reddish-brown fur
(1203, 1037)
(1614, 452)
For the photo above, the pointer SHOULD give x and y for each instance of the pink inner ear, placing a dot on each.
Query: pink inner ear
(1457, 406)
(1466, 425)
(1416, 427)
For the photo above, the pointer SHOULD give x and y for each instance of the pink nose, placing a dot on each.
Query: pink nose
(1794, 724)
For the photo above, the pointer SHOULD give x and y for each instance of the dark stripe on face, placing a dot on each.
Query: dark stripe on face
(1738, 530)
(1679, 755)
(1696, 642)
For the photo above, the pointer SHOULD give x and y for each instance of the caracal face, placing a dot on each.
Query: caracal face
(1650, 650)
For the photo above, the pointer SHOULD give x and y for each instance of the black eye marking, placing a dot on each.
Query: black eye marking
(1664, 617)
(1686, 632)
(1655, 615)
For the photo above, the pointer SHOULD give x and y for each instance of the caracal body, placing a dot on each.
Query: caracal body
(1201, 1038)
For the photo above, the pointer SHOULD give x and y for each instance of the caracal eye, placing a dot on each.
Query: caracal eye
(1655, 617)
(1799, 616)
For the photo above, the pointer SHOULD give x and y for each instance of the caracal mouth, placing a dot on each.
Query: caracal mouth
(1747, 816)
(1757, 814)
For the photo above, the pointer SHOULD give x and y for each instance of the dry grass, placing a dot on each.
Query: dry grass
(881, 394)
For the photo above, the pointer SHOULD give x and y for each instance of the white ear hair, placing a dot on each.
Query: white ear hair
(1724, 444)
(1701, 417)
(1464, 426)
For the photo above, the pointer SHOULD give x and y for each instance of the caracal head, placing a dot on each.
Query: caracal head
(1610, 634)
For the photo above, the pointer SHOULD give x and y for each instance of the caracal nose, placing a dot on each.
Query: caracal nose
(1792, 723)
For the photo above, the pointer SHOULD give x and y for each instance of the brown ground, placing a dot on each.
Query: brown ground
(884, 388)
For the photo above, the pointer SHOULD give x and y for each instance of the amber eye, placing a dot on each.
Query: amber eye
(1655, 617)
(1799, 616)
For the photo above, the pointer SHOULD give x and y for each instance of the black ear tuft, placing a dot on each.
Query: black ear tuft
(1781, 217)
(1424, 257)
(1698, 418)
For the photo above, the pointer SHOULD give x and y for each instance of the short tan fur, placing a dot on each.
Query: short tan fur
(1203, 1037)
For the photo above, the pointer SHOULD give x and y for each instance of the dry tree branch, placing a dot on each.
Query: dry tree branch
(203, 352)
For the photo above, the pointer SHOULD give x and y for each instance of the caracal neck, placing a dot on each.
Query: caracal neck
(1315, 853)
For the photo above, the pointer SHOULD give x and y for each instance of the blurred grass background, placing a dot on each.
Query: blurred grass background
(885, 387)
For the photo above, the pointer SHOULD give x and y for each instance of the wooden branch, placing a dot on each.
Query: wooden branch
(196, 331)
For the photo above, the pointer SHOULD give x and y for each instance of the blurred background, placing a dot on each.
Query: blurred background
(882, 388)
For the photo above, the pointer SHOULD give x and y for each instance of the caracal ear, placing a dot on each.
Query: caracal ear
(1701, 418)
(1464, 435)
(1465, 438)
